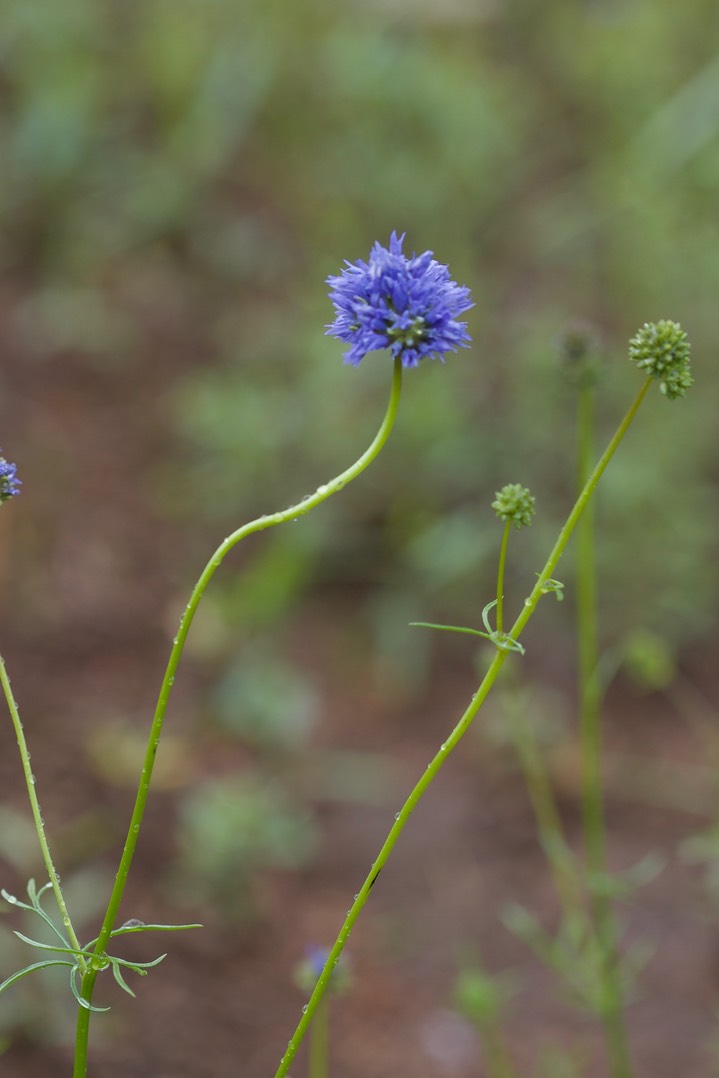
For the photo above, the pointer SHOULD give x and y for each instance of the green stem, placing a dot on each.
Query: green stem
(400, 821)
(36, 813)
(320, 1042)
(260, 524)
(454, 738)
(590, 734)
(546, 813)
(500, 576)
(497, 1057)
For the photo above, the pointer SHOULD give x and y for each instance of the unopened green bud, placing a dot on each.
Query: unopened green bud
(649, 660)
(662, 350)
(579, 351)
(514, 504)
(478, 996)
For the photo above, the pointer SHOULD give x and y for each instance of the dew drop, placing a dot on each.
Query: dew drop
(66, 921)
(11, 899)
(443, 747)
(171, 681)
(323, 489)
(397, 815)
(305, 1008)
(355, 897)
(136, 828)
(527, 602)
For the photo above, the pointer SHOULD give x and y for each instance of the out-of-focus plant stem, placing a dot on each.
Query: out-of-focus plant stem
(590, 733)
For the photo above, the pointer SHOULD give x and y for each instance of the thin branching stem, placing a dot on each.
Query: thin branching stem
(446, 748)
(322, 493)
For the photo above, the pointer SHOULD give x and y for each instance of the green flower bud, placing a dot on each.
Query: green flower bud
(649, 660)
(514, 503)
(579, 352)
(662, 349)
(478, 996)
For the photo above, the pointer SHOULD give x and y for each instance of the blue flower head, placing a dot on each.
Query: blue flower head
(409, 305)
(9, 484)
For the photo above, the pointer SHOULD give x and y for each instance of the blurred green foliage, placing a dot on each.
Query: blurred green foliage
(266, 703)
(202, 167)
(231, 831)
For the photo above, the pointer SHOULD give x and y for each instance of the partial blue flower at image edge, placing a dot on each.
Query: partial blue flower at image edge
(9, 483)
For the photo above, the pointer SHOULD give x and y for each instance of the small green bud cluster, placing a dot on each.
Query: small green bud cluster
(649, 660)
(514, 504)
(662, 349)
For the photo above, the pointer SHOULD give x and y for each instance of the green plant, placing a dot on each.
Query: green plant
(408, 305)
(668, 364)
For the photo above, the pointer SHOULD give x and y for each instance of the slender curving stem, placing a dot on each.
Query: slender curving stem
(303, 507)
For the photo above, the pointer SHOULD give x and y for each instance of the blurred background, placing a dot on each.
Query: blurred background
(179, 177)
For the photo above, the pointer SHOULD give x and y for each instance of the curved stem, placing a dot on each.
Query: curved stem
(36, 813)
(260, 524)
(454, 738)
(500, 576)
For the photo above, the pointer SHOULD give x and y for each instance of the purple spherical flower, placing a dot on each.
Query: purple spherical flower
(409, 305)
(9, 484)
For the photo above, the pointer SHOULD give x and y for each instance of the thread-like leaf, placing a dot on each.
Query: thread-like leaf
(121, 980)
(80, 1001)
(29, 969)
(50, 947)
